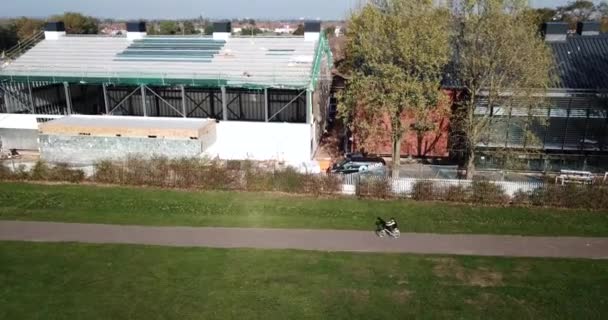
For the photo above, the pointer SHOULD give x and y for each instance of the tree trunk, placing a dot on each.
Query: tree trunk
(470, 164)
(396, 156)
(420, 138)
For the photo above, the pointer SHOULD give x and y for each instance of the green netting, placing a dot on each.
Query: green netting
(209, 83)
(148, 80)
(323, 50)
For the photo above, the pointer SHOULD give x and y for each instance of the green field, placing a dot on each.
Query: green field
(69, 281)
(114, 205)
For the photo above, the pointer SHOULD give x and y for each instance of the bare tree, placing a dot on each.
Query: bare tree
(503, 66)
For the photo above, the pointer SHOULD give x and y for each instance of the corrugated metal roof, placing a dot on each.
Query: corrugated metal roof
(262, 61)
(582, 62)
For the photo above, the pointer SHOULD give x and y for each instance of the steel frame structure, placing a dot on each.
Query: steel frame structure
(115, 99)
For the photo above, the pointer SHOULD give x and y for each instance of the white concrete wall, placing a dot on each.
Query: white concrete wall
(20, 131)
(406, 185)
(20, 139)
(311, 36)
(289, 142)
(22, 121)
(221, 36)
(234, 140)
(53, 35)
(136, 35)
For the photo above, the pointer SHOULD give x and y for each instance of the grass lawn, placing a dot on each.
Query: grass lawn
(70, 281)
(114, 205)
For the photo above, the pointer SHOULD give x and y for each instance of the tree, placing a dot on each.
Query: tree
(604, 24)
(397, 50)
(501, 63)
(76, 23)
(188, 28)
(152, 28)
(209, 29)
(543, 15)
(580, 10)
(168, 27)
(299, 31)
(581, 5)
(8, 36)
(27, 27)
(250, 31)
(330, 31)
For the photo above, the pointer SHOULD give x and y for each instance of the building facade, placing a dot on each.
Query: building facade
(571, 132)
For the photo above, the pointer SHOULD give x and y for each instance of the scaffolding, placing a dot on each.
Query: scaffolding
(268, 97)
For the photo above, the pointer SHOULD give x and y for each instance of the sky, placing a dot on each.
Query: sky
(214, 9)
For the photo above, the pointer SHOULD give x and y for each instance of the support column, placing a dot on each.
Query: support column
(547, 125)
(309, 106)
(143, 100)
(31, 96)
(508, 127)
(184, 102)
(224, 104)
(586, 131)
(211, 98)
(3, 98)
(58, 105)
(310, 120)
(266, 104)
(604, 143)
(105, 98)
(157, 105)
(68, 97)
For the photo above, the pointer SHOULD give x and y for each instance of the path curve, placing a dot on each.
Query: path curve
(318, 240)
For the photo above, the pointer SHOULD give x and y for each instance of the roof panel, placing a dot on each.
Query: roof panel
(581, 62)
(272, 61)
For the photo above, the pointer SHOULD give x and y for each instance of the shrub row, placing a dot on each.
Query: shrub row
(166, 173)
(594, 197)
(374, 187)
(43, 172)
(183, 173)
(212, 175)
(247, 176)
(479, 192)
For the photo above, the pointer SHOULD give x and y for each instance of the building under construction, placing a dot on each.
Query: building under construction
(267, 95)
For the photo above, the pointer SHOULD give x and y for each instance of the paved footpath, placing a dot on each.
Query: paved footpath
(318, 240)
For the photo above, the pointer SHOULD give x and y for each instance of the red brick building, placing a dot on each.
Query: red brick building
(433, 143)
